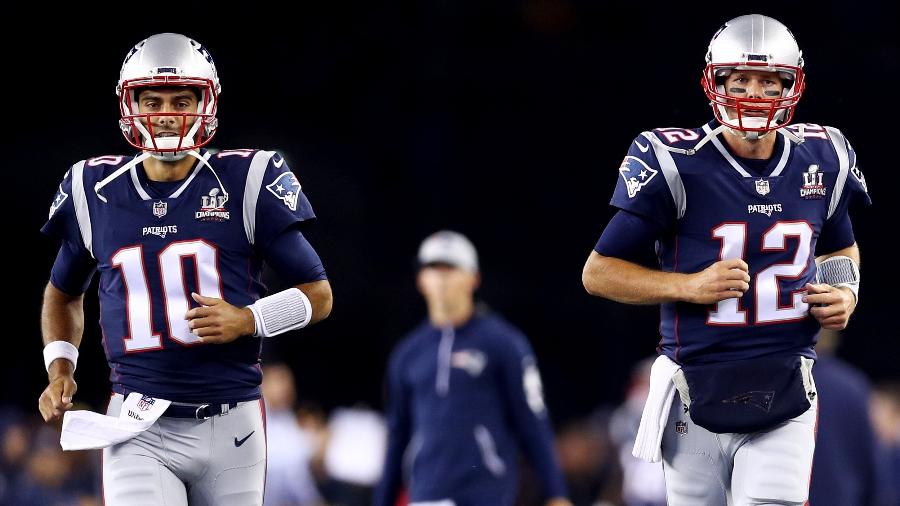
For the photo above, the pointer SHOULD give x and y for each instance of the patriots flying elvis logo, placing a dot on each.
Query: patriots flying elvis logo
(286, 188)
(636, 174)
(58, 200)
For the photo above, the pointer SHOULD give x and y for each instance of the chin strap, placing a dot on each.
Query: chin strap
(203, 160)
(147, 154)
(118, 172)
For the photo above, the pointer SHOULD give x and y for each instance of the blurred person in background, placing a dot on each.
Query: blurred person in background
(289, 480)
(51, 477)
(643, 483)
(353, 455)
(464, 395)
(885, 410)
(589, 461)
(850, 465)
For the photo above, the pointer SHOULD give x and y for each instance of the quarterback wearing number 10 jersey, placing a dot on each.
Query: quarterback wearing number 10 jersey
(209, 235)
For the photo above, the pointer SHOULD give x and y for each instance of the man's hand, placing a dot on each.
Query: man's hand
(218, 322)
(725, 279)
(558, 501)
(830, 305)
(56, 399)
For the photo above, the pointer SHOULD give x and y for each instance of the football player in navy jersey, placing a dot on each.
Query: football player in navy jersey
(748, 216)
(179, 236)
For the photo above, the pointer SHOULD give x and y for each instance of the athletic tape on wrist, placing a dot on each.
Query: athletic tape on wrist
(281, 312)
(839, 271)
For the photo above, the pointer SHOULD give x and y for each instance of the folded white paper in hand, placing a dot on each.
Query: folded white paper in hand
(87, 430)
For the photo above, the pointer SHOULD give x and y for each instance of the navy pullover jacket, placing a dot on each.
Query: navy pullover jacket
(462, 402)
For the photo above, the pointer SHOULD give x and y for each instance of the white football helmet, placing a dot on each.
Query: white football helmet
(754, 42)
(168, 60)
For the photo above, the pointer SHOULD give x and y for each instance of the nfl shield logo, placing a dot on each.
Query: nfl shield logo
(146, 402)
(160, 208)
(762, 187)
(681, 427)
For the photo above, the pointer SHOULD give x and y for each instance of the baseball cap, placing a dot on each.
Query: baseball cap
(448, 247)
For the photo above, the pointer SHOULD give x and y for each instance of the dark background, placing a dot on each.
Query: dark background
(503, 120)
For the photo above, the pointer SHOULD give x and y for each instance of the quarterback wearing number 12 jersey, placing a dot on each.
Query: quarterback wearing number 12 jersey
(712, 205)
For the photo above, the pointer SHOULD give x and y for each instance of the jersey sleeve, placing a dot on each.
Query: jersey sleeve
(521, 382)
(628, 236)
(62, 222)
(855, 189)
(642, 188)
(294, 258)
(850, 190)
(73, 269)
(274, 199)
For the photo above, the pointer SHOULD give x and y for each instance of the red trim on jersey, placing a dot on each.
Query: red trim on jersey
(184, 288)
(129, 337)
(740, 309)
(778, 278)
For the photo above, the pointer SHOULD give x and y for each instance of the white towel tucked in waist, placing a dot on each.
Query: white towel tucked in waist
(656, 410)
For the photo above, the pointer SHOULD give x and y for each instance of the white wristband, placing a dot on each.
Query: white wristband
(60, 349)
(280, 312)
(839, 270)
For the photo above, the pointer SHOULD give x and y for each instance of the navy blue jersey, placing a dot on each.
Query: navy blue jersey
(712, 207)
(209, 236)
(462, 402)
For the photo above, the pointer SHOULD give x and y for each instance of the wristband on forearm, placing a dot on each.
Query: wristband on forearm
(281, 312)
(60, 349)
(839, 271)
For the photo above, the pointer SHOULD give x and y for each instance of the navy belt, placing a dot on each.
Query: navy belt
(198, 411)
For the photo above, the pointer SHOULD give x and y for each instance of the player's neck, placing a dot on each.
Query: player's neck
(158, 170)
(760, 149)
(450, 314)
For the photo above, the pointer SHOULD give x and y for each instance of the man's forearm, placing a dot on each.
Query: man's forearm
(62, 319)
(320, 298)
(628, 282)
(62, 316)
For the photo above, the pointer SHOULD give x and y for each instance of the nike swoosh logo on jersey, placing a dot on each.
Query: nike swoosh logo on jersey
(279, 163)
(239, 442)
(642, 147)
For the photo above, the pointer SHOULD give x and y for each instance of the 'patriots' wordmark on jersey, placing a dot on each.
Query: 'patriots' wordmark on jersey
(286, 188)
